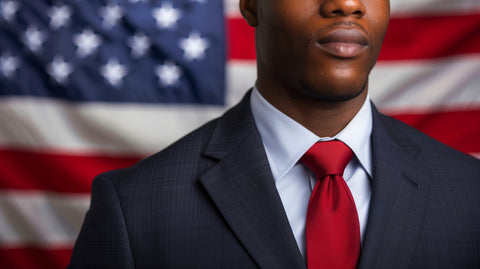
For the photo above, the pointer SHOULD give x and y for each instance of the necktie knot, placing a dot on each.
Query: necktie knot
(327, 158)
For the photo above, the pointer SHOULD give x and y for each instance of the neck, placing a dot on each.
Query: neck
(323, 118)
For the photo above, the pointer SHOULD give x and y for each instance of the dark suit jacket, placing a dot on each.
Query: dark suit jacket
(209, 201)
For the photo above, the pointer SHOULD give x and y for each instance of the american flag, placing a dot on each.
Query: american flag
(90, 86)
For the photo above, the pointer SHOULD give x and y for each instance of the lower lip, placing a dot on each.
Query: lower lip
(343, 50)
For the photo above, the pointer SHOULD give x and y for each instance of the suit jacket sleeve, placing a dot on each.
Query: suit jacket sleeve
(103, 241)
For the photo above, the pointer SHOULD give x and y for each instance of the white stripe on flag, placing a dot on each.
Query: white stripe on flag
(416, 86)
(241, 76)
(137, 129)
(40, 219)
(411, 7)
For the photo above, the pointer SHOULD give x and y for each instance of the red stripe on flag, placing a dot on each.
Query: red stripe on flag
(54, 172)
(459, 129)
(430, 37)
(407, 38)
(240, 40)
(34, 258)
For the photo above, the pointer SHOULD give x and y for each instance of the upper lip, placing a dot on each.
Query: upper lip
(344, 35)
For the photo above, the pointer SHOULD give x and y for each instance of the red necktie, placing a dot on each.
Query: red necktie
(332, 227)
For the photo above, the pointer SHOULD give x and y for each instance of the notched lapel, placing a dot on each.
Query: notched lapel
(399, 193)
(242, 187)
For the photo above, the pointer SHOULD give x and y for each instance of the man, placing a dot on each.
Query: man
(235, 192)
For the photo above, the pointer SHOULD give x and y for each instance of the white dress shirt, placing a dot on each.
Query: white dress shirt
(285, 142)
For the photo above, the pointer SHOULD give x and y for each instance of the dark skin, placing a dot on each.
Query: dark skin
(314, 56)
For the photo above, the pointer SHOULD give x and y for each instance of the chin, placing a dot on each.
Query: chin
(331, 91)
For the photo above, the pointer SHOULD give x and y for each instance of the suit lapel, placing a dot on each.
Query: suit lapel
(242, 187)
(399, 193)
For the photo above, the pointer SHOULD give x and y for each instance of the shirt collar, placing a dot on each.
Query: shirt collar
(285, 140)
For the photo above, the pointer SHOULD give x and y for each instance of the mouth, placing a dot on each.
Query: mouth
(343, 43)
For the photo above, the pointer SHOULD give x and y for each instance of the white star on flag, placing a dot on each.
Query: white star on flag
(34, 38)
(168, 73)
(59, 16)
(111, 14)
(139, 43)
(8, 9)
(166, 16)
(137, 1)
(199, 1)
(113, 72)
(194, 46)
(8, 64)
(87, 42)
(59, 70)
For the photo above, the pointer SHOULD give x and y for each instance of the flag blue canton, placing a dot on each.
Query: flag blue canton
(114, 51)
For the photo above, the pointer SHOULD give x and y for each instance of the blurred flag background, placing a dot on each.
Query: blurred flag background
(88, 86)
